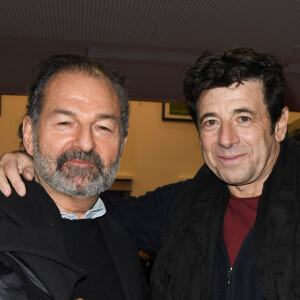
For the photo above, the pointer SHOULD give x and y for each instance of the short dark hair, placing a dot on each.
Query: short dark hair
(56, 64)
(236, 66)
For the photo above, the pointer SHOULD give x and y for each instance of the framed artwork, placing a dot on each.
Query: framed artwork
(294, 130)
(175, 112)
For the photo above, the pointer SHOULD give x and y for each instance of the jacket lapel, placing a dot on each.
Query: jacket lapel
(31, 230)
(184, 266)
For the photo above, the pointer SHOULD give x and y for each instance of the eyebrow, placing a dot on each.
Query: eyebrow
(72, 114)
(244, 110)
(236, 112)
(207, 115)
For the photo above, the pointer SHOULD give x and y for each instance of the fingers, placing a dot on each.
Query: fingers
(9, 169)
(11, 165)
(28, 173)
(25, 165)
(14, 177)
(4, 186)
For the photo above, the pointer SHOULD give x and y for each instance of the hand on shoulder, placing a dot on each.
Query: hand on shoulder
(12, 164)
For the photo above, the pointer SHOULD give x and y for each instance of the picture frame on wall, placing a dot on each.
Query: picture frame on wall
(175, 112)
(294, 130)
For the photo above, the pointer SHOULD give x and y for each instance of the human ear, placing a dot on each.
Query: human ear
(281, 125)
(27, 129)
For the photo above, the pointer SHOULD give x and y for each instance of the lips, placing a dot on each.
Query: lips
(77, 157)
(230, 158)
(80, 162)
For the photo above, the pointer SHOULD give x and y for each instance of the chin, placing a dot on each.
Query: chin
(232, 180)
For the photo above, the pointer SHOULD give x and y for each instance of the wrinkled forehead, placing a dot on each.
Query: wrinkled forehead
(77, 88)
(62, 81)
(93, 73)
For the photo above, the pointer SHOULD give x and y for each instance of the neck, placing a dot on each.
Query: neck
(246, 191)
(252, 189)
(77, 205)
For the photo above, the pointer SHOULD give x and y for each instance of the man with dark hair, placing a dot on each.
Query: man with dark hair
(233, 230)
(57, 243)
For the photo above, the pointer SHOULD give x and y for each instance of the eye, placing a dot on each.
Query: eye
(209, 123)
(103, 128)
(106, 126)
(64, 123)
(244, 119)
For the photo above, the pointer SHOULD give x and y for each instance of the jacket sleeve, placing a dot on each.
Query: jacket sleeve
(146, 217)
(17, 282)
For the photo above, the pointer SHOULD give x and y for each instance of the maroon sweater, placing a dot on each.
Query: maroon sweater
(238, 220)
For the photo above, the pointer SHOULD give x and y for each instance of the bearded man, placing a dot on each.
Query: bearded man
(58, 243)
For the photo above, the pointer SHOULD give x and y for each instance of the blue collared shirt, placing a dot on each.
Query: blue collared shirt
(98, 210)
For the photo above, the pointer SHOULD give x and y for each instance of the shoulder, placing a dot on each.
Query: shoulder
(288, 160)
(36, 207)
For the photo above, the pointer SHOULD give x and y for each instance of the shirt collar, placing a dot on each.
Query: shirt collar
(98, 210)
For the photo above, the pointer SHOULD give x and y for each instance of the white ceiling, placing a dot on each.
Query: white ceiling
(151, 41)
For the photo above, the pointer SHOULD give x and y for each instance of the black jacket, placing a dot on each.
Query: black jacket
(186, 236)
(184, 267)
(31, 236)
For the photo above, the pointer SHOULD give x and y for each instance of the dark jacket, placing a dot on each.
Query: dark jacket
(185, 266)
(32, 238)
(187, 237)
(240, 280)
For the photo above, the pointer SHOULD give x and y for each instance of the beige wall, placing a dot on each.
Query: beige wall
(293, 116)
(157, 152)
(12, 110)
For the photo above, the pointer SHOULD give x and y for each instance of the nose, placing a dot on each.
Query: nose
(84, 139)
(228, 135)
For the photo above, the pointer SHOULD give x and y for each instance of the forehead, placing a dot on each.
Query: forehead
(247, 94)
(82, 90)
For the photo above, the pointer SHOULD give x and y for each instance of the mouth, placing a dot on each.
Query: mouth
(78, 162)
(228, 159)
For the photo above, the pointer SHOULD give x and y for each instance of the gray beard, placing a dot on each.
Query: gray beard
(71, 179)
